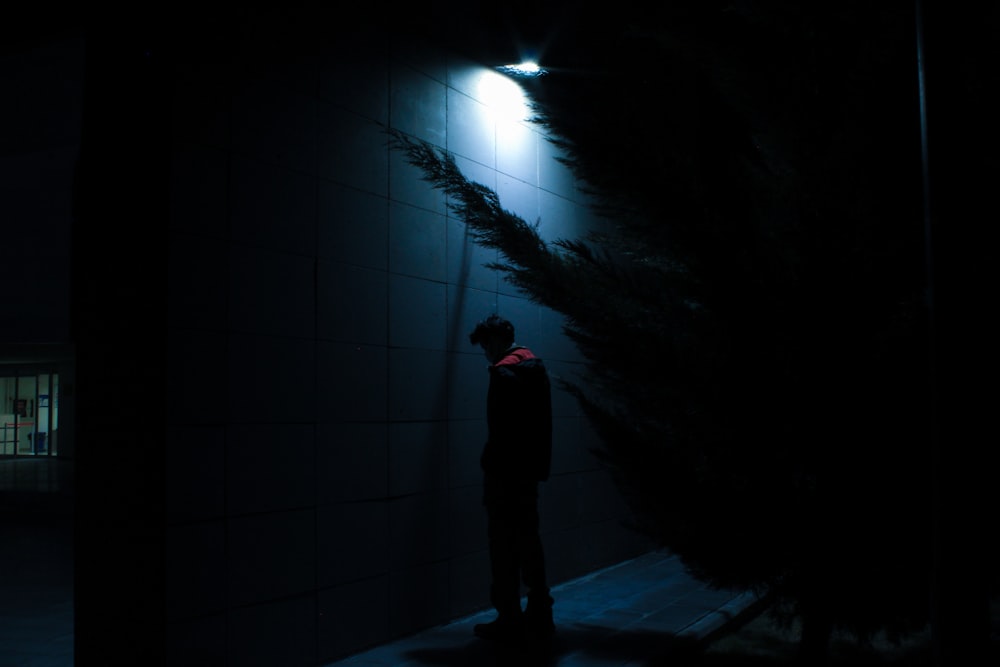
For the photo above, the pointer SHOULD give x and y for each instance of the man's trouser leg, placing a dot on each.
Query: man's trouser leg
(505, 587)
(538, 612)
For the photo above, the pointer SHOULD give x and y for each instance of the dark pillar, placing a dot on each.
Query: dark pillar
(960, 68)
(119, 328)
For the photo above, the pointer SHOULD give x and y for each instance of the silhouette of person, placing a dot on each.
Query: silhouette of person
(515, 458)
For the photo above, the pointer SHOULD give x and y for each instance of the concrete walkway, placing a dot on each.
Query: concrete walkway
(629, 615)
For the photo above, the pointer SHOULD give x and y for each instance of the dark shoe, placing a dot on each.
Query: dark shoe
(538, 624)
(502, 629)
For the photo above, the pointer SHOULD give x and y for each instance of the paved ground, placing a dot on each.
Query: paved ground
(36, 565)
(629, 615)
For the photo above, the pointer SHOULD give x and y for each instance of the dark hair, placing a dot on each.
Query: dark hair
(494, 325)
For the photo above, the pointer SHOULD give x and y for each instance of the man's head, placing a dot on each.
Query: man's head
(495, 335)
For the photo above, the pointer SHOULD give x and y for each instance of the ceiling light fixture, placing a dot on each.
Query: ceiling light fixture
(527, 69)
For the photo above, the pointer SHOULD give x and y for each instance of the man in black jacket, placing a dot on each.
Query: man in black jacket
(515, 458)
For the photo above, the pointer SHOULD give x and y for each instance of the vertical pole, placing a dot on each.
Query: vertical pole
(933, 454)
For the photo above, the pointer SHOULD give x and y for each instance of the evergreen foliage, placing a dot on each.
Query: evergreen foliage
(752, 323)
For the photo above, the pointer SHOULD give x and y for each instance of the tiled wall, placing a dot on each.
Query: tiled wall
(326, 407)
(40, 123)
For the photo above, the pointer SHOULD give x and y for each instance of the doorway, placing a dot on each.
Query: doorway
(29, 413)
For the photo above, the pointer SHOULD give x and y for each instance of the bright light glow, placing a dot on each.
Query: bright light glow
(502, 96)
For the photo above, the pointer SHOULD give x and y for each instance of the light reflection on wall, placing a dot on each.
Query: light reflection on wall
(502, 96)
